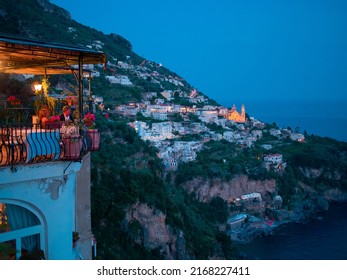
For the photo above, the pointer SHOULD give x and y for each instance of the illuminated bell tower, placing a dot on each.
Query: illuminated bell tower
(243, 112)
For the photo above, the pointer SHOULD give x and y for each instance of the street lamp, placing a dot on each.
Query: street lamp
(38, 87)
(37, 104)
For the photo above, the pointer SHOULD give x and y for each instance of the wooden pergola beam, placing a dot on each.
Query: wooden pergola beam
(26, 56)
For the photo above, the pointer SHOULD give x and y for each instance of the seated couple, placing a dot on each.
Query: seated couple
(65, 116)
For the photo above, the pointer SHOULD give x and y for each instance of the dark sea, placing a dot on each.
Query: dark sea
(324, 238)
(323, 118)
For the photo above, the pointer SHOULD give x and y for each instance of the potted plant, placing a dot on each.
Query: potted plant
(43, 100)
(53, 122)
(13, 100)
(92, 131)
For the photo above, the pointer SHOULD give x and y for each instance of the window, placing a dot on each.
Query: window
(21, 233)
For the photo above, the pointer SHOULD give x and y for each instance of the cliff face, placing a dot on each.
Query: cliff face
(205, 189)
(147, 227)
(330, 194)
(335, 195)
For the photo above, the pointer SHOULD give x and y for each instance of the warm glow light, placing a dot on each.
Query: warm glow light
(38, 87)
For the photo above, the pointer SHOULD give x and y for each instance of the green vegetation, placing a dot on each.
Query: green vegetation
(114, 94)
(225, 160)
(125, 171)
(220, 159)
(326, 155)
(216, 128)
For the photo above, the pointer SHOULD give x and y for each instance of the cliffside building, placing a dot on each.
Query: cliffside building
(44, 178)
(235, 116)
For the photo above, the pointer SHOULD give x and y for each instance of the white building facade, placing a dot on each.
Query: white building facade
(45, 203)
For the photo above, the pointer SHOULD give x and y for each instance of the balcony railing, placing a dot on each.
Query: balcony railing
(33, 144)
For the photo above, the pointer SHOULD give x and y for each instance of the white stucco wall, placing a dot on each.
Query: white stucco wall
(49, 190)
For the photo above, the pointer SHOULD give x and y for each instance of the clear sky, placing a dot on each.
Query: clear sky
(235, 49)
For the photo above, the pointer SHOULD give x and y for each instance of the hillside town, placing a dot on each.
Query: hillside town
(178, 112)
(167, 135)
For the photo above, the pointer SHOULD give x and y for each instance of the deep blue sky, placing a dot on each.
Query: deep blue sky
(235, 49)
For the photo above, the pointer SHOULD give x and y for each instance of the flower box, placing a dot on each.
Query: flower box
(52, 125)
(72, 148)
(14, 103)
(69, 131)
(94, 137)
(13, 100)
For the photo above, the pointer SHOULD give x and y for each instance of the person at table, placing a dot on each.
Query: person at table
(66, 115)
(44, 116)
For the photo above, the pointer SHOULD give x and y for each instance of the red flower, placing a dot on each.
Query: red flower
(12, 98)
(89, 120)
(54, 119)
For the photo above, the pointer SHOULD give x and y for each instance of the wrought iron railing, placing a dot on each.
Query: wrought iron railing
(33, 144)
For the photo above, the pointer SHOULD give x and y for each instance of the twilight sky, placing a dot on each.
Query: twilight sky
(235, 49)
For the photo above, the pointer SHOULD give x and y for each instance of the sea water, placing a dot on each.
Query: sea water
(323, 118)
(324, 238)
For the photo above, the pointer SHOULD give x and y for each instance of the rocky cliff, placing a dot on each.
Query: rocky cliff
(205, 189)
(306, 201)
(147, 227)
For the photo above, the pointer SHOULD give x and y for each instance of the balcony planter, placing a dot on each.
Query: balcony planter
(94, 136)
(52, 125)
(15, 103)
(72, 148)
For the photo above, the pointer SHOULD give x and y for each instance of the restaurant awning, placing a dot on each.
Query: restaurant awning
(30, 56)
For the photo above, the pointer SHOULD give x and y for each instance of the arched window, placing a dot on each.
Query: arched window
(21, 233)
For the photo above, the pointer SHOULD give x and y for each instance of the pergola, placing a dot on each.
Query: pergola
(20, 55)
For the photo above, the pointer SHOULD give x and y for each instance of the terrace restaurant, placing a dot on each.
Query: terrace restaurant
(24, 137)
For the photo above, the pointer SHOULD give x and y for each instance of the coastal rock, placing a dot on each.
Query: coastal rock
(205, 189)
(146, 226)
(251, 231)
(284, 216)
(322, 204)
(335, 195)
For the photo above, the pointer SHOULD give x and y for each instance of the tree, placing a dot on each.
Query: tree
(176, 117)
(176, 95)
